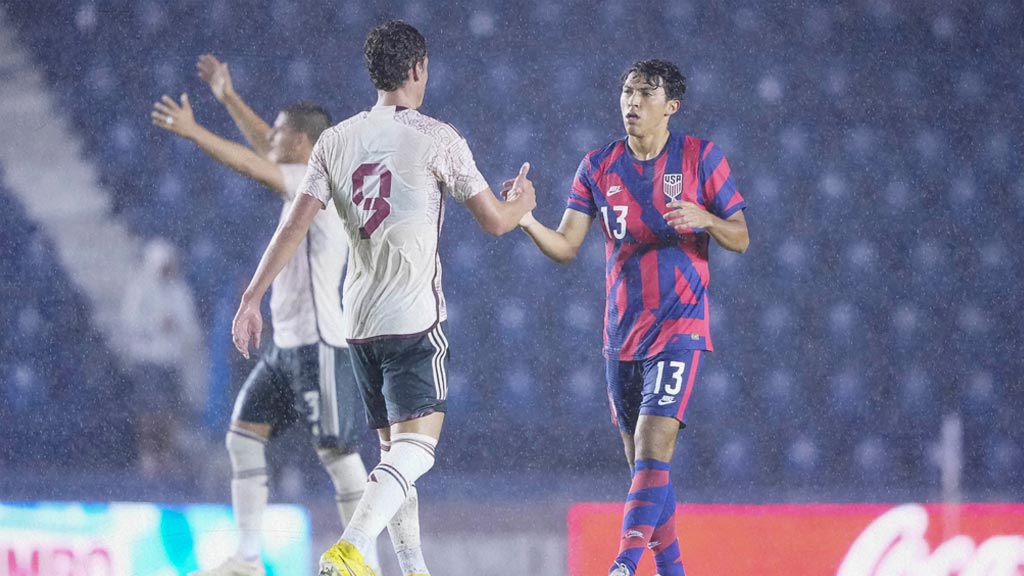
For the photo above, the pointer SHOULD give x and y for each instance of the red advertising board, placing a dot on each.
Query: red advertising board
(818, 540)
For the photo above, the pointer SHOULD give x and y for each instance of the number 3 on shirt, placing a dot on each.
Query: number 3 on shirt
(620, 221)
(377, 206)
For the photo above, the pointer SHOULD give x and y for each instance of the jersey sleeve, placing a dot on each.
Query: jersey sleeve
(453, 165)
(581, 198)
(721, 197)
(317, 182)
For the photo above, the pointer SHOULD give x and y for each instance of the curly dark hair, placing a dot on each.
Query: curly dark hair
(659, 73)
(309, 118)
(391, 50)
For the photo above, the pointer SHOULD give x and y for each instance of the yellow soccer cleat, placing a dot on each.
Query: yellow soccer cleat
(344, 559)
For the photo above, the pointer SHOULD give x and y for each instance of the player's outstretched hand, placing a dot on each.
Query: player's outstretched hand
(215, 73)
(174, 117)
(687, 215)
(246, 327)
(521, 187)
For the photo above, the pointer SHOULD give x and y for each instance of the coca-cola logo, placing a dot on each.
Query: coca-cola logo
(895, 545)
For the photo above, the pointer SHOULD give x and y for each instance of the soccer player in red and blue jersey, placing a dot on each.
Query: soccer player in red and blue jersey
(662, 197)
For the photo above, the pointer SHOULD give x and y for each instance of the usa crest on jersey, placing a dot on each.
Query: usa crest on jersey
(672, 185)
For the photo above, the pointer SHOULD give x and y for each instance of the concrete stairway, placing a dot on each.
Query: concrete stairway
(46, 170)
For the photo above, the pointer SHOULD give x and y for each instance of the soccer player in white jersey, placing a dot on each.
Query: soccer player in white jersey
(305, 374)
(389, 171)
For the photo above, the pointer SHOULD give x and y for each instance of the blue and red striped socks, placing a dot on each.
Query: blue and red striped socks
(643, 510)
(664, 542)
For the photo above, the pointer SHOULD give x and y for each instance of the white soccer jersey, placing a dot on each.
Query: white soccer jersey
(388, 171)
(305, 306)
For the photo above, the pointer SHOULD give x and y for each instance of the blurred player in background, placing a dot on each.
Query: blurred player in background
(389, 171)
(661, 196)
(305, 374)
(164, 347)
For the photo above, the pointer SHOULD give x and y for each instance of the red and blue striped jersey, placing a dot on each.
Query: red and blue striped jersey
(657, 278)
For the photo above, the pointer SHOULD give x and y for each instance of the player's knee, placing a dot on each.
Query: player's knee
(334, 447)
(653, 446)
(328, 455)
(412, 455)
(347, 471)
(247, 451)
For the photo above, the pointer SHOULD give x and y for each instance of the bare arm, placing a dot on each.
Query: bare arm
(563, 244)
(248, 322)
(730, 233)
(497, 217)
(216, 74)
(179, 119)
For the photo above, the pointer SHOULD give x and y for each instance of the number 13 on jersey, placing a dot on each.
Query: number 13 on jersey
(619, 230)
(375, 208)
(676, 385)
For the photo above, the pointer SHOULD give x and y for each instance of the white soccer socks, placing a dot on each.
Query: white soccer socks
(404, 529)
(349, 477)
(410, 456)
(248, 490)
(348, 474)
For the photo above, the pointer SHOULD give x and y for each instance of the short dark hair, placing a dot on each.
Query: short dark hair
(309, 118)
(391, 50)
(659, 73)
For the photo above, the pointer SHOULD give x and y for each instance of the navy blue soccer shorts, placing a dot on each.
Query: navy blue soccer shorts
(404, 377)
(656, 386)
(312, 384)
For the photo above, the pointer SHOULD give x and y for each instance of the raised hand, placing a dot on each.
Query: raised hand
(174, 117)
(521, 187)
(687, 215)
(246, 327)
(215, 73)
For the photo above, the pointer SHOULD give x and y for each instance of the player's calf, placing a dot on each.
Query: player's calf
(390, 483)
(348, 474)
(644, 505)
(249, 490)
(404, 529)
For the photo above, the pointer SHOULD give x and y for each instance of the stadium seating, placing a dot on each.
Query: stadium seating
(62, 393)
